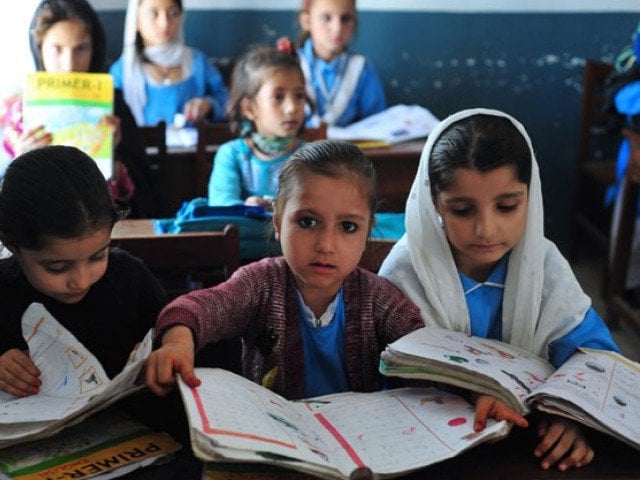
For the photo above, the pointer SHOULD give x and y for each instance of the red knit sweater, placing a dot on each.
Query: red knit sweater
(258, 303)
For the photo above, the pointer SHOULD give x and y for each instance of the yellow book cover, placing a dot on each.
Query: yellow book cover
(72, 106)
(110, 441)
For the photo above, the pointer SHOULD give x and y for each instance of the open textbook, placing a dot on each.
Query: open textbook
(391, 432)
(394, 125)
(597, 388)
(74, 384)
(72, 106)
(107, 445)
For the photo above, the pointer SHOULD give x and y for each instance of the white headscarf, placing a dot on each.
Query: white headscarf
(133, 77)
(542, 298)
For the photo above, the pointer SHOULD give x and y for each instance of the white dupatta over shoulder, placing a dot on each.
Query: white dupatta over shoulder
(542, 298)
(133, 76)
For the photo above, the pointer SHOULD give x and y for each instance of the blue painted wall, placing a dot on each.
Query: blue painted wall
(529, 65)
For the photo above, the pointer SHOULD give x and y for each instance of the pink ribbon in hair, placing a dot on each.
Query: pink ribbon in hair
(283, 44)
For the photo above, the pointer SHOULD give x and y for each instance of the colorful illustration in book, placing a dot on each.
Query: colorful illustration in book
(502, 353)
(595, 367)
(457, 359)
(72, 107)
(456, 422)
(75, 357)
(517, 380)
(89, 381)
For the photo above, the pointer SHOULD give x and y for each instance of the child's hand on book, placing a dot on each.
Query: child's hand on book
(176, 356)
(559, 437)
(113, 122)
(490, 407)
(31, 139)
(197, 108)
(18, 373)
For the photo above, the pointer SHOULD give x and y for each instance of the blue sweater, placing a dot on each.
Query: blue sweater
(164, 101)
(367, 99)
(238, 174)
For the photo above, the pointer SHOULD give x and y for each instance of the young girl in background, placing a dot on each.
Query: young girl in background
(56, 218)
(475, 259)
(311, 322)
(343, 86)
(266, 108)
(159, 75)
(66, 36)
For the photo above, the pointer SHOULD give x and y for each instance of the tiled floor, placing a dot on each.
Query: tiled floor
(589, 270)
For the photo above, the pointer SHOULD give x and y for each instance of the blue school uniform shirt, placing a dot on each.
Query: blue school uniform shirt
(367, 99)
(164, 101)
(323, 350)
(238, 174)
(484, 302)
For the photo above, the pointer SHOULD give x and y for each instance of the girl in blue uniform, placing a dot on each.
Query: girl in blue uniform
(475, 259)
(343, 86)
(266, 110)
(159, 75)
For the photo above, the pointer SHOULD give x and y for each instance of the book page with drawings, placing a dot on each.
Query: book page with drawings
(448, 352)
(399, 430)
(74, 382)
(605, 385)
(391, 432)
(70, 374)
(244, 415)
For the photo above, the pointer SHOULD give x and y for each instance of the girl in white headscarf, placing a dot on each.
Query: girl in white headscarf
(475, 259)
(159, 75)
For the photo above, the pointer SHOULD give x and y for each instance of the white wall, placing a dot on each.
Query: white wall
(15, 55)
(412, 5)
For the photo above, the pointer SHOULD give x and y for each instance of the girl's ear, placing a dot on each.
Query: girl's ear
(275, 219)
(246, 107)
(305, 21)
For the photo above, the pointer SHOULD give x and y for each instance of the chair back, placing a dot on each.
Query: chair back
(376, 251)
(154, 139)
(595, 172)
(593, 117)
(622, 240)
(210, 137)
(186, 261)
(311, 134)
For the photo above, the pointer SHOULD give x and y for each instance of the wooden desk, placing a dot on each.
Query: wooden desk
(396, 167)
(511, 458)
(132, 228)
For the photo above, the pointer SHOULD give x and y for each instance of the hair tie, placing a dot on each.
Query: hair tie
(283, 44)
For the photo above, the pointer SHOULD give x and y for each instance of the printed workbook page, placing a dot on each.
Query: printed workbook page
(396, 431)
(391, 432)
(73, 381)
(605, 388)
(229, 412)
(479, 364)
(393, 125)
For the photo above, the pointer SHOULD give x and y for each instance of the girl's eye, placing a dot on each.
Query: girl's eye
(462, 212)
(300, 96)
(279, 96)
(173, 14)
(346, 18)
(349, 227)
(326, 18)
(98, 258)
(307, 222)
(56, 269)
(508, 208)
